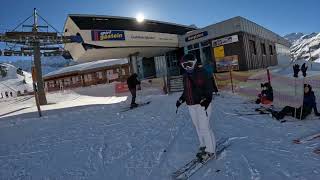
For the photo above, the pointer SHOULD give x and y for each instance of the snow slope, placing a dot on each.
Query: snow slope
(82, 137)
(13, 82)
(49, 64)
(301, 46)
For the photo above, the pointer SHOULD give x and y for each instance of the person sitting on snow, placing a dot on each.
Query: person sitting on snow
(132, 82)
(309, 103)
(266, 96)
(197, 94)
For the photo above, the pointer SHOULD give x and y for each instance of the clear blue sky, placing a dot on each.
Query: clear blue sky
(280, 16)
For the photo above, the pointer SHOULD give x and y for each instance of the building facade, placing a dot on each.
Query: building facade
(154, 48)
(87, 74)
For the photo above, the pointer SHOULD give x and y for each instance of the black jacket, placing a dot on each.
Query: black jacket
(197, 86)
(132, 81)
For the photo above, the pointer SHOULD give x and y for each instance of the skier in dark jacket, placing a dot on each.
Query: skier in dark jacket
(197, 94)
(132, 82)
(309, 104)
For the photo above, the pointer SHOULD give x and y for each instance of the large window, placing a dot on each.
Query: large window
(271, 49)
(252, 46)
(263, 49)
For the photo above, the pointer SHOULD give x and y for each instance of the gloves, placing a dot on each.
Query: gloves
(304, 69)
(296, 69)
(205, 103)
(178, 103)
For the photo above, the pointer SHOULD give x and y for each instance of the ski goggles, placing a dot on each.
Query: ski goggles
(188, 64)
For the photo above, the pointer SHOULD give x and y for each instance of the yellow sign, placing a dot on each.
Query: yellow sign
(219, 52)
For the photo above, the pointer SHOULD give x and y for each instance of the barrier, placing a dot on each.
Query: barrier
(121, 88)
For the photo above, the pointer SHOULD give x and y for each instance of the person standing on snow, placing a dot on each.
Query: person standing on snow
(197, 94)
(132, 82)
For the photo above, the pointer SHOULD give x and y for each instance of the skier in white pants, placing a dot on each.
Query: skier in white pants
(197, 94)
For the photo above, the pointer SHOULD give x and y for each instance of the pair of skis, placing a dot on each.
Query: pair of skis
(195, 164)
(139, 105)
(296, 68)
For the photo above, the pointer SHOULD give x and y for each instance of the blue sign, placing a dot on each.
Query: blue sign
(197, 36)
(107, 35)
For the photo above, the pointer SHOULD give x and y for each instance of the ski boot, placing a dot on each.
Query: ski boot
(205, 156)
(134, 105)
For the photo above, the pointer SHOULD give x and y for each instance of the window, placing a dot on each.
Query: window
(271, 49)
(99, 75)
(252, 46)
(263, 49)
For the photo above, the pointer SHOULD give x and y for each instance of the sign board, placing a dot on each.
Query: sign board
(150, 37)
(218, 52)
(196, 36)
(227, 62)
(225, 40)
(107, 35)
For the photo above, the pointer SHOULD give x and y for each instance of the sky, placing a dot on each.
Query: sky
(280, 16)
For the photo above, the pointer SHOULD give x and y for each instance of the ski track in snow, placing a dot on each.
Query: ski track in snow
(255, 175)
(96, 141)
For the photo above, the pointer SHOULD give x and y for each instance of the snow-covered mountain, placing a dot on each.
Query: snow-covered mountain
(14, 80)
(304, 45)
(49, 64)
(293, 37)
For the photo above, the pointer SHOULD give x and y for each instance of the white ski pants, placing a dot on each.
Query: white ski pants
(202, 125)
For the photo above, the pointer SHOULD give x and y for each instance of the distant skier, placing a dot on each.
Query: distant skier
(209, 68)
(197, 94)
(309, 104)
(132, 82)
(266, 95)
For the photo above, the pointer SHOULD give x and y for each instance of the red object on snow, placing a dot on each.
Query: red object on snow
(121, 88)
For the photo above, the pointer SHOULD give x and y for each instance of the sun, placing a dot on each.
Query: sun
(140, 17)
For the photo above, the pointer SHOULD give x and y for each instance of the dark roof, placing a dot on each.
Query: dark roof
(89, 22)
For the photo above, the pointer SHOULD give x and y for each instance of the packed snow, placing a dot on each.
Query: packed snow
(85, 137)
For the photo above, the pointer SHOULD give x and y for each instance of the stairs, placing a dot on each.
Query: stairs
(175, 83)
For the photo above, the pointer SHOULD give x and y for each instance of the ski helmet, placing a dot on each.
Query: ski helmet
(188, 62)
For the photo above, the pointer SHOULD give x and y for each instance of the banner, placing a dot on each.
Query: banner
(107, 35)
(196, 36)
(218, 52)
(225, 40)
(227, 62)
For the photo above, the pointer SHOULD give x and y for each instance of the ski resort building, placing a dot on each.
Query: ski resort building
(87, 74)
(154, 48)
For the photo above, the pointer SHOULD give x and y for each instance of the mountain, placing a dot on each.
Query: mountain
(304, 45)
(293, 37)
(49, 64)
(13, 79)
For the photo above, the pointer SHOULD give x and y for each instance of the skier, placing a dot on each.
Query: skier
(132, 82)
(208, 67)
(309, 103)
(266, 95)
(197, 94)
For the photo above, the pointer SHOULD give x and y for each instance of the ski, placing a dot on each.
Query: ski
(139, 105)
(306, 139)
(195, 164)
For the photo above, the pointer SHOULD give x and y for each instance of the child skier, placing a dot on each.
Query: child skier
(197, 94)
